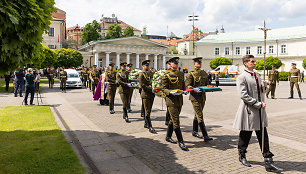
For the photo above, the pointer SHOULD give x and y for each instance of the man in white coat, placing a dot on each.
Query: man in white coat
(248, 118)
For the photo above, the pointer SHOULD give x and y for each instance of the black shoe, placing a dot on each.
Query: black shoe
(21, 96)
(183, 146)
(15, 95)
(142, 114)
(267, 96)
(207, 138)
(145, 125)
(271, 167)
(127, 119)
(26, 104)
(204, 132)
(244, 161)
(129, 110)
(170, 140)
(111, 111)
(195, 134)
(32, 104)
(152, 130)
(290, 97)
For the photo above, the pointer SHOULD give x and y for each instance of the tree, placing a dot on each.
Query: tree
(128, 32)
(68, 58)
(113, 31)
(70, 43)
(144, 32)
(44, 59)
(22, 25)
(304, 64)
(269, 62)
(219, 61)
(91, 32)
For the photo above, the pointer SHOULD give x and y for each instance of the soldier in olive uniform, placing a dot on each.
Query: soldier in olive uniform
(85, 77)
(94, 77)
(112, 87)
(194, 79)
(131, 90)
(89, 81)
(294, 79)
(273, 78)
(147, 93)
(51, 75)
(174, 80)
(168, 67)
(124, 85)
(63, 79)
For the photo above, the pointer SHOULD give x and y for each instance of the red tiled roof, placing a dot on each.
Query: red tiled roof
(74, 28)
(167, 42)
(197, 36)
(122, 24)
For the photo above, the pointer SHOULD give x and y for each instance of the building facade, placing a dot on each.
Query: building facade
(56, 34)
(74, 33)
(288, 44)
(127, 49)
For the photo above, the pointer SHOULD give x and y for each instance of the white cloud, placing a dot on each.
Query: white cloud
(235, 15)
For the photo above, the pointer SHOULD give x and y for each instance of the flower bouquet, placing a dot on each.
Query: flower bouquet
(134, 78)
(157, 83)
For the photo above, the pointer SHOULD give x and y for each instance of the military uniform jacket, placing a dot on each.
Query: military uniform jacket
(51, 74)
(111, 77)
(94, 75)
(294, 75)
(273, 77)
(122, 78)
(195, 79)
(85, 75)
(173, 79)
(146, 84)
(63, 76)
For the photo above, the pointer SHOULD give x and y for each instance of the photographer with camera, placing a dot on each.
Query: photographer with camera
(30, 86)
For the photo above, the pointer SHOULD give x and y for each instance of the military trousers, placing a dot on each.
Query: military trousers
(125, 99)
(94, 84)
(111, 95)
(271, 89)
(130, 93)
(63, 84)
(296, 85)
(89, 84)
(198, 107)
(51, 82)
(147, 103)
(174, 112)
(84, 81)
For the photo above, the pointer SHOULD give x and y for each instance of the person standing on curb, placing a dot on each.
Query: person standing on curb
(30, 86)
(273, 78)
(294, 79)
(124, 85)
(19, 77)
(111, 87)
(7, 78)
(63, 79)
(172, 81)
(194, 79)
(217, 79)
(249, 114)
(147, 93)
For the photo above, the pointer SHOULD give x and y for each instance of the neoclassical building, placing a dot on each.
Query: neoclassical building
(127, 49)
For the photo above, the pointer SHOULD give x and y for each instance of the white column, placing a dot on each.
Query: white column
(155, 61)
(137, 61)
(118, 60)
(107, 59)
(96, 58)
(147, 56)
(128, 58)
(164, 62)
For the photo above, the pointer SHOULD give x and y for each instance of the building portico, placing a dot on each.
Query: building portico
(128, 49)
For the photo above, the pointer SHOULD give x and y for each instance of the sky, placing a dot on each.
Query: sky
(158, 15)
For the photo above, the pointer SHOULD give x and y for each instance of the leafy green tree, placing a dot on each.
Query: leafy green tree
(114, 31)
(269, 62)
(91, 32)
(219, 61)
(68, 58)
(22, 24)
(128, 32)
(304, 63)
(44, 59)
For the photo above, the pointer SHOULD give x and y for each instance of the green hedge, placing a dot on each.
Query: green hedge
(283, 76)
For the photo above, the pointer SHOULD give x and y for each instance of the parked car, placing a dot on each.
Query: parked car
(73, 78)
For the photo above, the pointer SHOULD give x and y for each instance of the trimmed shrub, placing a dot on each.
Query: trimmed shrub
(283, 76)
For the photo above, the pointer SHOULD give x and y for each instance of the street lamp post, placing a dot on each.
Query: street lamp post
(193, 18)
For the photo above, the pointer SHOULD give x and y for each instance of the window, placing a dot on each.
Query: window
(259, 49)
(226, 51)
(271, 49)
(248, 50)
(51, 46)
(283, 49)
(51, 32)
(217, 51)
(237, 50)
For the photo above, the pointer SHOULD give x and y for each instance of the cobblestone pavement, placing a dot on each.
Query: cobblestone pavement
(287, 122)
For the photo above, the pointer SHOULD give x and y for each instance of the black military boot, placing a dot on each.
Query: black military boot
(125, 115)
(167, 118)
(111, 111)
(151, 129)
(271, 167)
(243, 160)
(204, 132)
(169, 134)
(129, 109)
(195, 129)
(180, 139)
(291, 95)
(300, 95)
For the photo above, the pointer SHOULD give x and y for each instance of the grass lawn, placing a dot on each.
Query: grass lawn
(32, 142)
(43, 81)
